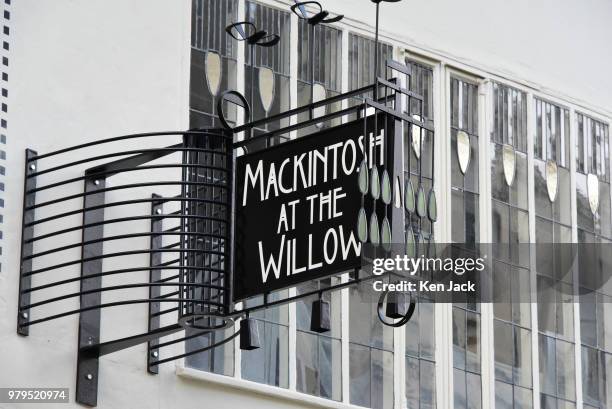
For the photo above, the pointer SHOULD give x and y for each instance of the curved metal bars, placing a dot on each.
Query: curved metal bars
(129, 186)
(112, 288)
(119, 237)
(120, 220)
(115, 272)
(121, 138)
(118, 304)
(130, 169)
(197, 351)
(189, 224)
(114, 204)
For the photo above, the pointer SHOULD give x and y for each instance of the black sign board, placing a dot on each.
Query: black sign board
(297, 206)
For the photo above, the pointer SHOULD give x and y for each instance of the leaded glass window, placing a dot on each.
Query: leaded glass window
(464, 153)
(213, 59)
(318, 356)
(418, 157)
(371, 351)
(273, 61)
(510, 233)
(420, 359)
(370, 342)
(592, 158)
(327, 68)
(465, 229)
(420, 363)
(213, 70)
(270, 363)
(594, 230)
(553, 260)
(361, 62)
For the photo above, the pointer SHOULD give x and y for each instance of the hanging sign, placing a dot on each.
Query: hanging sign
(297, 206)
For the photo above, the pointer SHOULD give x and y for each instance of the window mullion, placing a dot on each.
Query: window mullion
(487, 359)
(574, 218)
(535, 371)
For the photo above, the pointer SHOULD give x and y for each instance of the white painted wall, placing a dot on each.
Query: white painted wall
(558, 45)
(87, 69)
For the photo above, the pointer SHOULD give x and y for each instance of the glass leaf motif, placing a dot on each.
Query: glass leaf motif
(266, 87)
(362, 226)
(432, 206)
(212, 64)
(397, 194)
(363, 178)
(386, 188)
(551, 180)
(421, 207)
(386, 234)
(509, 161)
(463, 150)
(417, 137)
(593, 192)
(410, 243)
(409, 201)
(375, 183)
(374, 230)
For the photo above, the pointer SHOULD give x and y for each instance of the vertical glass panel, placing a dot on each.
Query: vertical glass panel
(413, 392)
(460, 393)
(522, 398)
(274, 21)
(382, 379)
(372, 341)
(459, 338)
(307, 362)
(548, 380)
(590, 375)
(566, 385)
(428, 383)
(504, 349)
(474, 391)
(360, 375)
(503, 396)
(327, 68)
(473, 342)
(522, 357)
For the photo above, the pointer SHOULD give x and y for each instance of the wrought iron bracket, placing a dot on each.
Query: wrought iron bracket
(89, 320)
(25, 280)
(155, 277)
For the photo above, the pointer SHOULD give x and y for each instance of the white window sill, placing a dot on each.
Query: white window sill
(261, 389)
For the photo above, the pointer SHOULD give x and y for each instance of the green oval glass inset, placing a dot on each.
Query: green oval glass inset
(386, 234)
(375, 183)
(363, 178)
(362, 226)
(409, 202)
(386, 191)
(374, 232)
(432, 206)
(410, 243)
(421, 207)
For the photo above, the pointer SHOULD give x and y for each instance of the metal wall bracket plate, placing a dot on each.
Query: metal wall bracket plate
(155, 277)
(25, 282)
(89, 321)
